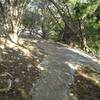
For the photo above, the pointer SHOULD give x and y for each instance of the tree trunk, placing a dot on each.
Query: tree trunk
(44, 32)
(82, 37)
(13, 12)
(62, 16)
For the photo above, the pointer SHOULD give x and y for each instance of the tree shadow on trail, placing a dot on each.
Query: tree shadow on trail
(86, 85)
(61, 67)
(86, 77)
(23, 71)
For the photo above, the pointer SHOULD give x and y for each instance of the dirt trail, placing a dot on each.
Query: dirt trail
(57, 70)
(45, 72)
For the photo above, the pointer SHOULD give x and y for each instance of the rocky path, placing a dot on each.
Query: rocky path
(57, 70)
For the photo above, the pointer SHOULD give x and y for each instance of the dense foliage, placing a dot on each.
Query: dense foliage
(75, 22)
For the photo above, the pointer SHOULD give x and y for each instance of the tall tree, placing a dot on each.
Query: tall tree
(74, 13)
(12, 13)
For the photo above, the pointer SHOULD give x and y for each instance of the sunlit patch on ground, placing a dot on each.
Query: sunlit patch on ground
(71, 65)
(85, 86)
(19, 61)
(84, 54)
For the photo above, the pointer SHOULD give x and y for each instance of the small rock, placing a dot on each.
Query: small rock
(17, 80)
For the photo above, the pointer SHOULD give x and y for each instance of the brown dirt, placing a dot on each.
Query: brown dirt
(21, 66)
(84, 88)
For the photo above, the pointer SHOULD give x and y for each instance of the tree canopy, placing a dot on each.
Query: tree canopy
(75, 22)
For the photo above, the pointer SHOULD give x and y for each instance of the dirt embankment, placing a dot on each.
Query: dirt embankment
(18, 69)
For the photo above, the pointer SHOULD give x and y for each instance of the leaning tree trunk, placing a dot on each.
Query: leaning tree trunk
(64, 18)
(66, 35)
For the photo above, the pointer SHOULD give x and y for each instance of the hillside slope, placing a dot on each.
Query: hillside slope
(58, 73)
